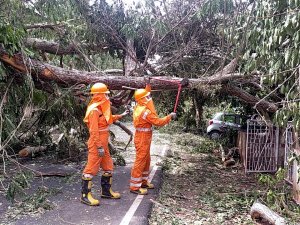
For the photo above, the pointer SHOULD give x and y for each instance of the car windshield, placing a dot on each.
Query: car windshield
(231, 118)
(218, 116)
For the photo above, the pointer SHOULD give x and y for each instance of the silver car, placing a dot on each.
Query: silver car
(223, 122)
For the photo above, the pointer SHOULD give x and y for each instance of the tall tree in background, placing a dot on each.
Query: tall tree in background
(272, 50)
(54, 47)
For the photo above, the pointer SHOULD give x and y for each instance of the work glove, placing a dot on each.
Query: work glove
(130, 109)
(101, 151)
(125, 113)
(173, 115)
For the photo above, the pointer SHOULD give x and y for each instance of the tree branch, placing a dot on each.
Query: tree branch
(58, 49)
(250, 99)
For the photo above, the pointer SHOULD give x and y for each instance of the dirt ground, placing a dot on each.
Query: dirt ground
(198, 189)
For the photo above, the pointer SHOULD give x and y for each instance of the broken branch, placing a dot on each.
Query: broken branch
(259, 210)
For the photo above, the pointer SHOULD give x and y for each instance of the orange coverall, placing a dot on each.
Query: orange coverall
(144, 116)
(98, 118)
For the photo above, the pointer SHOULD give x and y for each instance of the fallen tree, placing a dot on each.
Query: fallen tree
(30, 150)
(261, 105)
(46, 72)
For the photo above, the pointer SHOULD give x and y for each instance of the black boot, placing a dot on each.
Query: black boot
(107, 192)
(86, 195)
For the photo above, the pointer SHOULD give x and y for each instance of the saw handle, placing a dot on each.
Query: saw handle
(179, 83)
(177, 98)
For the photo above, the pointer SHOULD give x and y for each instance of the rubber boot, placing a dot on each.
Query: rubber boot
(147, 185)
(140, 191)
(107, 192)
(86, 195)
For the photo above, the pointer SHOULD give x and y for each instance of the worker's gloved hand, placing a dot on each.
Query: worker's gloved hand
(125, 112)
(101, 151)
(130, 109)
(173, 115)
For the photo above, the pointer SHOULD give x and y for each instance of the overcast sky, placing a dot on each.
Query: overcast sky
(126, 2)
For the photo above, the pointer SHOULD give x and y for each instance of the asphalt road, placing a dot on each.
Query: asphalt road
(130, 209)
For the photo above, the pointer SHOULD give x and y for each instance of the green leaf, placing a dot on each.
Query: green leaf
(294, 58)
(287, 56)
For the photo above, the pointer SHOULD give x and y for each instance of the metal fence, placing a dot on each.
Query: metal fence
(289, 150)
(261, 147)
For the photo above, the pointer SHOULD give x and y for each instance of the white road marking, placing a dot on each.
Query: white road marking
(130, 213)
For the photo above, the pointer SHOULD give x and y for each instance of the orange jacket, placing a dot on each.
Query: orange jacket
(98, 117)
(144, 114)
(144, 118)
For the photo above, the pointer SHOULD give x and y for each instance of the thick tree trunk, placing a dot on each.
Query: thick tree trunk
(198, 113)
(129, 64)
(250, 99)
(64, 77)
(198, 102)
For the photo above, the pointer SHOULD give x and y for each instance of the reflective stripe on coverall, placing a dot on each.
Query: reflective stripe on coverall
(98, 126)
(143, 118)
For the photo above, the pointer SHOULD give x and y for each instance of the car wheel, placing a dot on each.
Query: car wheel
(215, 135)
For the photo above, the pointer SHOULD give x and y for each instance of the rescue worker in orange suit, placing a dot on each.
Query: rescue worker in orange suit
(98, 117)
(144, 117)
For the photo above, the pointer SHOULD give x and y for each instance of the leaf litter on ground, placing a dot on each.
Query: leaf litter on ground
(198, 189)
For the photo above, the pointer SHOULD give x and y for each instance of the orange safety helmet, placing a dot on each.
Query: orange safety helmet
(140, 93)
(99, 88)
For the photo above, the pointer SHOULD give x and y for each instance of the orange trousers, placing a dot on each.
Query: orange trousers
(141, 166)
(94, 161)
